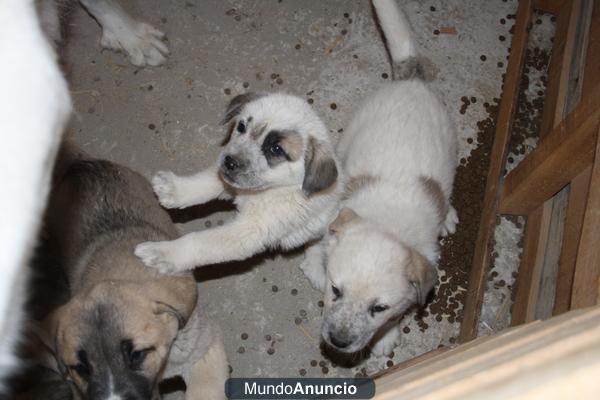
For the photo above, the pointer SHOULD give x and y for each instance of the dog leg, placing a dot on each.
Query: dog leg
(141, 42)
(207, 378)
(387, 342)
(238, 240)
(313, 266)
(449, 225)
(183, 191)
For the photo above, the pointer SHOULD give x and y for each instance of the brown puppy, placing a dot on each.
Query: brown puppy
(113, 337)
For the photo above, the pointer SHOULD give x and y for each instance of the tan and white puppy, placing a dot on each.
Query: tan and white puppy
(280, 169)
(399, 155)
(141, 42)
(112, 339)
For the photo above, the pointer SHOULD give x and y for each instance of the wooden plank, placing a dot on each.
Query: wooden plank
(549, 6)
(557, 160)
(587, 267)
(410, 362)
(592, 64)
(507, 364)
(559, 69)
(527, 284)
(572, 233)
(550, 258)
(508, 103)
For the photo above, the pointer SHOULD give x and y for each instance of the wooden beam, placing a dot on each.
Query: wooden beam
(572, 232)
(527, 284)
(557, 160)
(508, 104)
(587, 268)
(549, 6)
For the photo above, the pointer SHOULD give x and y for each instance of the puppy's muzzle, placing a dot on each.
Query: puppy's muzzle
(340, 339)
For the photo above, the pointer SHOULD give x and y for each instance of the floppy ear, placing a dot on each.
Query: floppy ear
(320, 169)
(421, 275)
(44, 340)
(174, 299)
(237, 103)
(345, 217)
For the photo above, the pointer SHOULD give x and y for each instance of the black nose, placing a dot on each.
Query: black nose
(231, 163)
(341, 344)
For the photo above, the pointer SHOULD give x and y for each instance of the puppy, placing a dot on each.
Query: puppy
(280, 169)
(113, 337)
(399, 154)
(34, 112)
(139, 41)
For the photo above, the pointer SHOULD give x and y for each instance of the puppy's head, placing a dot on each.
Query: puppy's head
(114, 340)
(276, 140)
(372, 279)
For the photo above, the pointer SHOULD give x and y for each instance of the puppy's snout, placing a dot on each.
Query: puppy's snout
(231, 164)
(338, 342)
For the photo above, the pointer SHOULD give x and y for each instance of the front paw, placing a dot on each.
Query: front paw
(449, 225)
(156, 255)
(165, 188)
(386, 344)
(141, 42)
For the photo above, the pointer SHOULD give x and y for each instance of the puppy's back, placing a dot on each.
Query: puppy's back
(97, 203)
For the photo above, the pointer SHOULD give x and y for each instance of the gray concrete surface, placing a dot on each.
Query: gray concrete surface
(326, 50)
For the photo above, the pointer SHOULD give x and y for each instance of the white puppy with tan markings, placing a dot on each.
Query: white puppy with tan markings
(281, 171)
(399, 155)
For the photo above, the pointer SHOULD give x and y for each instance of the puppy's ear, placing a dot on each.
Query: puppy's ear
(237, 103)
(164, 308)
(44, 339)
(344, 218)
(320, 169)
(174, 299)
(421, 275)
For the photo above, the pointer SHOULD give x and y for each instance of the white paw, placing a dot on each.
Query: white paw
(156, 255)
(386, 344)
(449, 226)
(165, 188)
(141, 42)
(314, 272)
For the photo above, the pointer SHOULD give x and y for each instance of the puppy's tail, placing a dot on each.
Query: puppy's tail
(397, 33)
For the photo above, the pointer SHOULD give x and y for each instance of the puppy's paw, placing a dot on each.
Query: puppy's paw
(386, 344)
(156, 255)
(449, 226)
(314, 272)
(164, 184)
(141, 42)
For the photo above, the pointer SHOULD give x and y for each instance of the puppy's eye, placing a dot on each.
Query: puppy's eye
(378, 308)
(134, 358)
(276, 150)
(241, 127)
(336, 292)
(82, 370)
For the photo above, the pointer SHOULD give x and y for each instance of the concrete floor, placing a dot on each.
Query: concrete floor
(329, 51)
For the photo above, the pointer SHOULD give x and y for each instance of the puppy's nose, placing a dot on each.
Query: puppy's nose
(231, 163)
(341, 344)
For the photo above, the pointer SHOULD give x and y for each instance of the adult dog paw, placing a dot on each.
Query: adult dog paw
(141, 42)
(156, 255)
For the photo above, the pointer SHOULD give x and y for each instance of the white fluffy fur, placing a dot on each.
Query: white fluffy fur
(275, 214)
(140, 41)
(400, 137)
(35, 107)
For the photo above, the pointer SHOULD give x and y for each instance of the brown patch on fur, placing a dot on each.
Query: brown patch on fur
(435, 192)
(356, 183)
(346, 217)
(421, 274)
(293, 145)
(321, 170)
